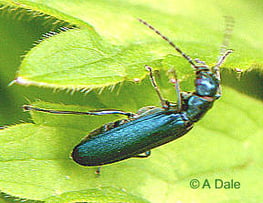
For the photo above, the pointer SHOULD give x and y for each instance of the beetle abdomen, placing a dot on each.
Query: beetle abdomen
(131, 138)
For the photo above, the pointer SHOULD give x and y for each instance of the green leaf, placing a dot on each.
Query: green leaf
(120, 46)
(96, 195)
(90, 62)
(224, 145)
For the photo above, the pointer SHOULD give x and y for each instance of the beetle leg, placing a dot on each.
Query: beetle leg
(165, 103)
(143, 155)
(147, 110)
(177, 89)
(95, 113)
(98, 171)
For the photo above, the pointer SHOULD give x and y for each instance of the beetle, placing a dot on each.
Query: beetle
(151, 126)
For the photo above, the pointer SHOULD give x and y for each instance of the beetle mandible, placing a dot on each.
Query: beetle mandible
(151, 126)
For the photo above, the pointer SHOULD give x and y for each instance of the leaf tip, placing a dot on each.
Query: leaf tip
(21, 81)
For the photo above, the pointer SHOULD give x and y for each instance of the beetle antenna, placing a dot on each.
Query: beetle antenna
(229, 24)
(188, 58)
(222, 58)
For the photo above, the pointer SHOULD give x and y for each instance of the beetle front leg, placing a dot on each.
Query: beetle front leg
(165, 103)
(175, 81)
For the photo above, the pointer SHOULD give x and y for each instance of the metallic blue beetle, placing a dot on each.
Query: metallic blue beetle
(151, 126)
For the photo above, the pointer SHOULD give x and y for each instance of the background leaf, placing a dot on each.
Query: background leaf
(83, 55)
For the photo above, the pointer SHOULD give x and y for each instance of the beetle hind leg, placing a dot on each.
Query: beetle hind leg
(94, 113)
